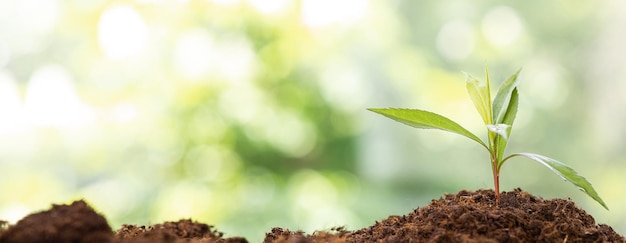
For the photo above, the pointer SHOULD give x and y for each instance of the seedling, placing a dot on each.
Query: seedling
(498, 115)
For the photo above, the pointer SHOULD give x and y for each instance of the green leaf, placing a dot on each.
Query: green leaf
(479, 91)
(426, 120)
(511, 110)
(503, 97)
(564, 172)
(509, 117)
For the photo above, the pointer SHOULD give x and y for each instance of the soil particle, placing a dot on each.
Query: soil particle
(279, 235)
(463, 217)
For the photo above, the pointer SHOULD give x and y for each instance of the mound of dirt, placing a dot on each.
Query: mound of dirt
(63, 223)
(473, 217)
(463, 217)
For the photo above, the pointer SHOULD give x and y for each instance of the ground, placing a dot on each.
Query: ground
(467, 216)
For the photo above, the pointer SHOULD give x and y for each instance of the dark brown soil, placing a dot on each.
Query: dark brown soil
(462, 217)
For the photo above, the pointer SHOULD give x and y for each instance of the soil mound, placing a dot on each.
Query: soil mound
(63, 223)
(473, 217)
(463, 217)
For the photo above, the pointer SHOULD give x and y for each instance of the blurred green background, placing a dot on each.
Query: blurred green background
(251, 114)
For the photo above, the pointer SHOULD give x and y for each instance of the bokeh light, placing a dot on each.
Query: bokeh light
(122, 32)
(502, 26)
(456, 40)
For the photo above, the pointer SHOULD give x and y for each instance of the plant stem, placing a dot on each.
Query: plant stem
(494, 164)
(496, 178)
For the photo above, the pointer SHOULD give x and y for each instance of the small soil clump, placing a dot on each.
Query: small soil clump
(463, 217)
(182, 231)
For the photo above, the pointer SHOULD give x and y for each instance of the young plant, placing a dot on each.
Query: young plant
(498, 115)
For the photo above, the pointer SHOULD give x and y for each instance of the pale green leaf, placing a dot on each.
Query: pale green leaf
(509, 117)
(426, 120)
(564, 172)
(481, 97)
(503, 97)
(500, 129)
